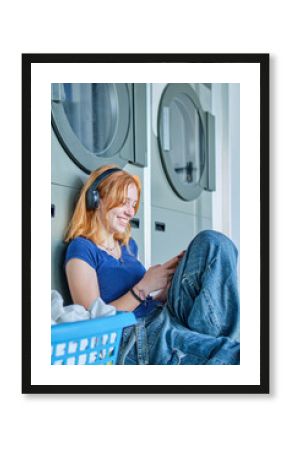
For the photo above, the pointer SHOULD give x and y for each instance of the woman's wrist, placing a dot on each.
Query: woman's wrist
(136, 296)
(141, 291)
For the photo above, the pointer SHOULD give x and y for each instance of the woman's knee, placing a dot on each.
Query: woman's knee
(214, 238)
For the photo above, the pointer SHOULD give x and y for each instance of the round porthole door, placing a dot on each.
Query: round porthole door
(182, 136)
(92, 121)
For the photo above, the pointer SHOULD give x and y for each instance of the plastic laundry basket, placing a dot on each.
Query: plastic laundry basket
(94, 341)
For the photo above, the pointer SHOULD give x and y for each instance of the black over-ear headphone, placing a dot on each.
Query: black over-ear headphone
(92, 194)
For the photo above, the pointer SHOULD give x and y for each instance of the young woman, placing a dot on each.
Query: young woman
(193, 319)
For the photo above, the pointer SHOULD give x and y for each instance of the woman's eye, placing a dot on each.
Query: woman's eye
(127, 203)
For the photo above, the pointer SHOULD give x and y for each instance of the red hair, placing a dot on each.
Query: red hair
(113, 192)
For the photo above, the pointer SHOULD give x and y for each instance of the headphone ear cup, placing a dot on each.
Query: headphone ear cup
(92, 194)
(92, 199)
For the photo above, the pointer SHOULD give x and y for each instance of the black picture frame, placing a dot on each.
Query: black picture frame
(260, 59)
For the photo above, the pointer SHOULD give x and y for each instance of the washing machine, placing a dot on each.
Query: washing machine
(183, 166)
(93, 124)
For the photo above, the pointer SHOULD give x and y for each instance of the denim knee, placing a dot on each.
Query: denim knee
(215, 238)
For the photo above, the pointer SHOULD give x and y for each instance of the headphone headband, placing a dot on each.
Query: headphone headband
(103, 175)
(92, 195)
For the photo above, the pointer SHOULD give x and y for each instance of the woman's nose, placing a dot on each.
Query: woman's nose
(130, 211)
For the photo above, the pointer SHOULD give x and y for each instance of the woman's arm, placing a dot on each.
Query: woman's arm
(82, 281)
(84, 287)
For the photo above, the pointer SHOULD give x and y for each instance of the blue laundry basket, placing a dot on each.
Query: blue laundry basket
(92, 342)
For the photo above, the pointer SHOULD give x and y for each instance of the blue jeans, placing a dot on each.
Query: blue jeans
(199, 324)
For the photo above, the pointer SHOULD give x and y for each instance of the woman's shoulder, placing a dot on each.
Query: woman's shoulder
(81, 240)
(83, 248)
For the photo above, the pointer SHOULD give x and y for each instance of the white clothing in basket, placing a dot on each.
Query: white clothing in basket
(74, 313)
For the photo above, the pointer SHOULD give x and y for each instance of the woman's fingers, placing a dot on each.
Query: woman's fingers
(171, 262)
(170, 274)
(180, 255)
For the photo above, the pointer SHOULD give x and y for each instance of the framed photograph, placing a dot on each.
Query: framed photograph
(156, 249)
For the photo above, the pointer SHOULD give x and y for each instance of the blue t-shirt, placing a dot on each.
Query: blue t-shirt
(115, 276)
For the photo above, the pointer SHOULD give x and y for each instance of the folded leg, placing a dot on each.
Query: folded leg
(204, 293)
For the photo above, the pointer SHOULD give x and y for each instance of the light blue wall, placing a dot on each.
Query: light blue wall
(226, 199)
(234, 143)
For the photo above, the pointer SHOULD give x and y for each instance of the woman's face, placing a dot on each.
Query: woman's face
(119, 217)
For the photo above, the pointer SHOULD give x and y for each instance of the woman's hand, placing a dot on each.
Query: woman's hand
(157, 277)
(172, 264)
(161, 295)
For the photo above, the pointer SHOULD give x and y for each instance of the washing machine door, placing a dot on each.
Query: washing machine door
(186, 141)
(93, 122)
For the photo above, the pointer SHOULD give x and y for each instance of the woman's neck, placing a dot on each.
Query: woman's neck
(107, 239)
(110, 245)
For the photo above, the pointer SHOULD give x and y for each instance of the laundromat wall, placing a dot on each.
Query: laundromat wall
(165, 222)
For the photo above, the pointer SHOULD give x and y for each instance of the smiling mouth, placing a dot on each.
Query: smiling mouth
(123, 221)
